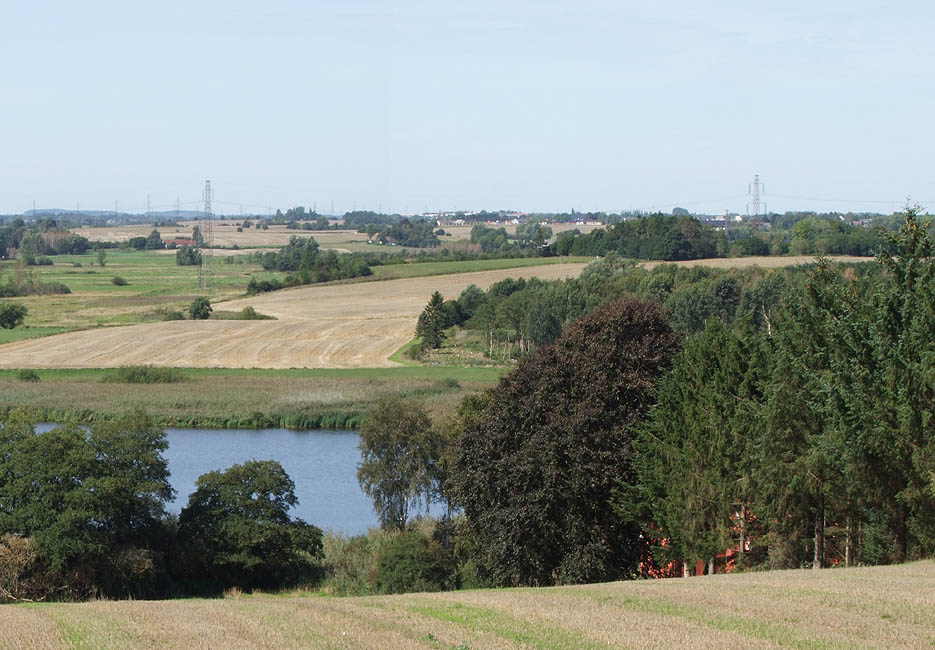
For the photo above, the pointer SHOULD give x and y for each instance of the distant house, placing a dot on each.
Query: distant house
(179, 241)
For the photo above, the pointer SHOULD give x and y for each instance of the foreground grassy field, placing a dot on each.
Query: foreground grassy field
(879, 607)
(248, 399)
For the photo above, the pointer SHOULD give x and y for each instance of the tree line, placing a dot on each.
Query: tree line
(45, 237)
(794, 430)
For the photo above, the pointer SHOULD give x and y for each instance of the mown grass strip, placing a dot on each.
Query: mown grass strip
(778, 633)
(23, 333)
(400, 355)
(483, 619)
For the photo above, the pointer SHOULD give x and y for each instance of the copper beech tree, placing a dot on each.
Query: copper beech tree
(535, 471)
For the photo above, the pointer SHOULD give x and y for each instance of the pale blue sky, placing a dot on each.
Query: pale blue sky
(538, 105)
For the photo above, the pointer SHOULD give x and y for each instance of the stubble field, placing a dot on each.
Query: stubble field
(876, 607)
(335, 326)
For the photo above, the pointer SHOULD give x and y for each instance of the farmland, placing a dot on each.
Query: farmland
(335, 326)
(892, 607)
(226, 235)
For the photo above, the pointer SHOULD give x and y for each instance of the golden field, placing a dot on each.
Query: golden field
(356, 325)
(875, 607)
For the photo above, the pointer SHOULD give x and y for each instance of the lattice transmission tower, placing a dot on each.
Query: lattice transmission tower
(207, 239)
(756, 189)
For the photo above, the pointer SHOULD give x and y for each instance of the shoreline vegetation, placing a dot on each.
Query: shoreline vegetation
(208, 398)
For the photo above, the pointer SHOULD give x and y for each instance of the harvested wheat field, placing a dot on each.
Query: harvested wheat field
(877, 607)
(764, 262)
(335, 326)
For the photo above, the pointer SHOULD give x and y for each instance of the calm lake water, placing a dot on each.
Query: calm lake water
(323, 465)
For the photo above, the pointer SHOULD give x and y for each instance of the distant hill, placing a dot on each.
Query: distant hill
(136, 217)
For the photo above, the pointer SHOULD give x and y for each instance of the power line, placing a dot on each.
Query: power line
(207, 238)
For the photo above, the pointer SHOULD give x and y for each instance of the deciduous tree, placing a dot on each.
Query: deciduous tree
(536, 469)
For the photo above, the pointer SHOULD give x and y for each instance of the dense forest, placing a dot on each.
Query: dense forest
(764, 419)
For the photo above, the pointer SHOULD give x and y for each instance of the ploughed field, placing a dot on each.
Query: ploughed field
(333, 326)
(875, 607)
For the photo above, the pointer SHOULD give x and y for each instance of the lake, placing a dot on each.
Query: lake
(323, 465)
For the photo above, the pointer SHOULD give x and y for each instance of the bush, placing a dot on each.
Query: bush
(23, 575)
(200, 309)
(144, 375)
(50, 288)
(262, 286)
(350, 563)
(42, 260)
(12, 314)
(410, 562)
(164, 313)
(413, 352)
(249, 313)
(27, 375)
(118, 281)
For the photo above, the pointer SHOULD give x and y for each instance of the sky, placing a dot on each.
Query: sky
(416, 105)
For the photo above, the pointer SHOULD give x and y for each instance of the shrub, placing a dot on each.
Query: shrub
(144, 375)
(410, 562)
(77, 265)
(200, 309)
(262, 286)
(164, 313)
(51, 288)
(350, 563)
(118, 281)
(27, 375)
(42, 260)
(23, 575)
(249, 313)
(12, 314)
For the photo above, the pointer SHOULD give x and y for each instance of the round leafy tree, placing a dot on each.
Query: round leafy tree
(236, 528)
(200, 309)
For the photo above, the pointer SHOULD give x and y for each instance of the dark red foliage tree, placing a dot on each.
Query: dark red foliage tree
(534, 473)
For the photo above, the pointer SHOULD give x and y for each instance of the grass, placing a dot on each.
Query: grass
(423, 269)
(876, 607)
(239, 398)
(151, 281)
(23, 333)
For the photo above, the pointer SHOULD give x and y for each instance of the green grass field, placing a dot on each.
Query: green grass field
(833, 609)
(242, 398)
